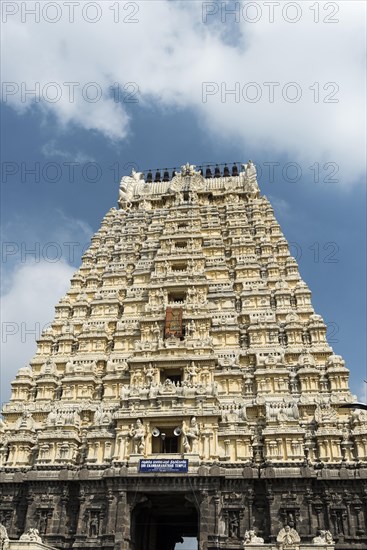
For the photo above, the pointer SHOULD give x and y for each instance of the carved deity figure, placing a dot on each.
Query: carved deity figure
(190, 435)
(251, 538)
(191, 371)
(250, 169)
(156, 331)
(191, 328)
(137, 434)
(126, 189)
(149, 373)
(98, 415)
(94, 526)
(233, 525)
(191, 294)
(288, 537)
(31, 536)
(324, 537)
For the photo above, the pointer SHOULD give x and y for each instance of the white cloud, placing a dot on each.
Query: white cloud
(281, 206)
(169, 53)
(36, 270)
(50, 150)
(53, 238)
(27, 308)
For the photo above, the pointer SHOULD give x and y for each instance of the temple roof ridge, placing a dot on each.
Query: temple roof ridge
(190, 179)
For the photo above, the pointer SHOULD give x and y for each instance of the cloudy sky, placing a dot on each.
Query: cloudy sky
(91, 90)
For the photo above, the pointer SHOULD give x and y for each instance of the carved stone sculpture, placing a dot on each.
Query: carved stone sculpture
(324, 537)
(190, 435)
(288, 538)
(32, 535)
(137, 434)
(251, 538)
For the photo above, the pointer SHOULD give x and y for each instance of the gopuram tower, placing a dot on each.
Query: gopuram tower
(185, 388)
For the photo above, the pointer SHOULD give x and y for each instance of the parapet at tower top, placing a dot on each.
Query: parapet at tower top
(190, 179)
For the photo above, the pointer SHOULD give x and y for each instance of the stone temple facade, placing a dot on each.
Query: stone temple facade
(185, 388)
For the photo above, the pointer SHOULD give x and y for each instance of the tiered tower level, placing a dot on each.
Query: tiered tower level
(187, 334)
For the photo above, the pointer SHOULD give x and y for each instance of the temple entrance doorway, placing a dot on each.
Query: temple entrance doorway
(165, 522)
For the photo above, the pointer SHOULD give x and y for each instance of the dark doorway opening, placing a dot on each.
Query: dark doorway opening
(164, 521)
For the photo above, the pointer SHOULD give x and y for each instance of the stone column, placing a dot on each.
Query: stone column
(123, 522)
(308, 497)
(216, 513)
(215, 441)
(81, 529)
(111, 515)
(250, 501)
(207, 523)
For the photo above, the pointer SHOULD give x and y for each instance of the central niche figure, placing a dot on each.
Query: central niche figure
(137, 433)
(288, 537)
(190, 435)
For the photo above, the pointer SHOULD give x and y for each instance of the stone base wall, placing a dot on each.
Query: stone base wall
(22, 545)
(105, 509)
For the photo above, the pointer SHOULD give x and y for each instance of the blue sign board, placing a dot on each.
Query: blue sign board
(163, 465)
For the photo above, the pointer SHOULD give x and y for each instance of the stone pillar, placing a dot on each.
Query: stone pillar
(31, 513)
(250, 501)
(63, 502)
(215, 441)
(123, 522)
(81, 528)
(216, 500)
(308, 497)
(111, 515)
(206, 526)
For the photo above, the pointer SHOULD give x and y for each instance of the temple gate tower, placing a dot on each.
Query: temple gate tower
(185, 387)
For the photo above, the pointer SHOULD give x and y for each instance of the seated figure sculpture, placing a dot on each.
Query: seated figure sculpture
(324, 537)
(288, 538)
(251, 538)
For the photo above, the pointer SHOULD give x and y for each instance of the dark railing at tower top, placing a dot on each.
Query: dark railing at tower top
(209, 171)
